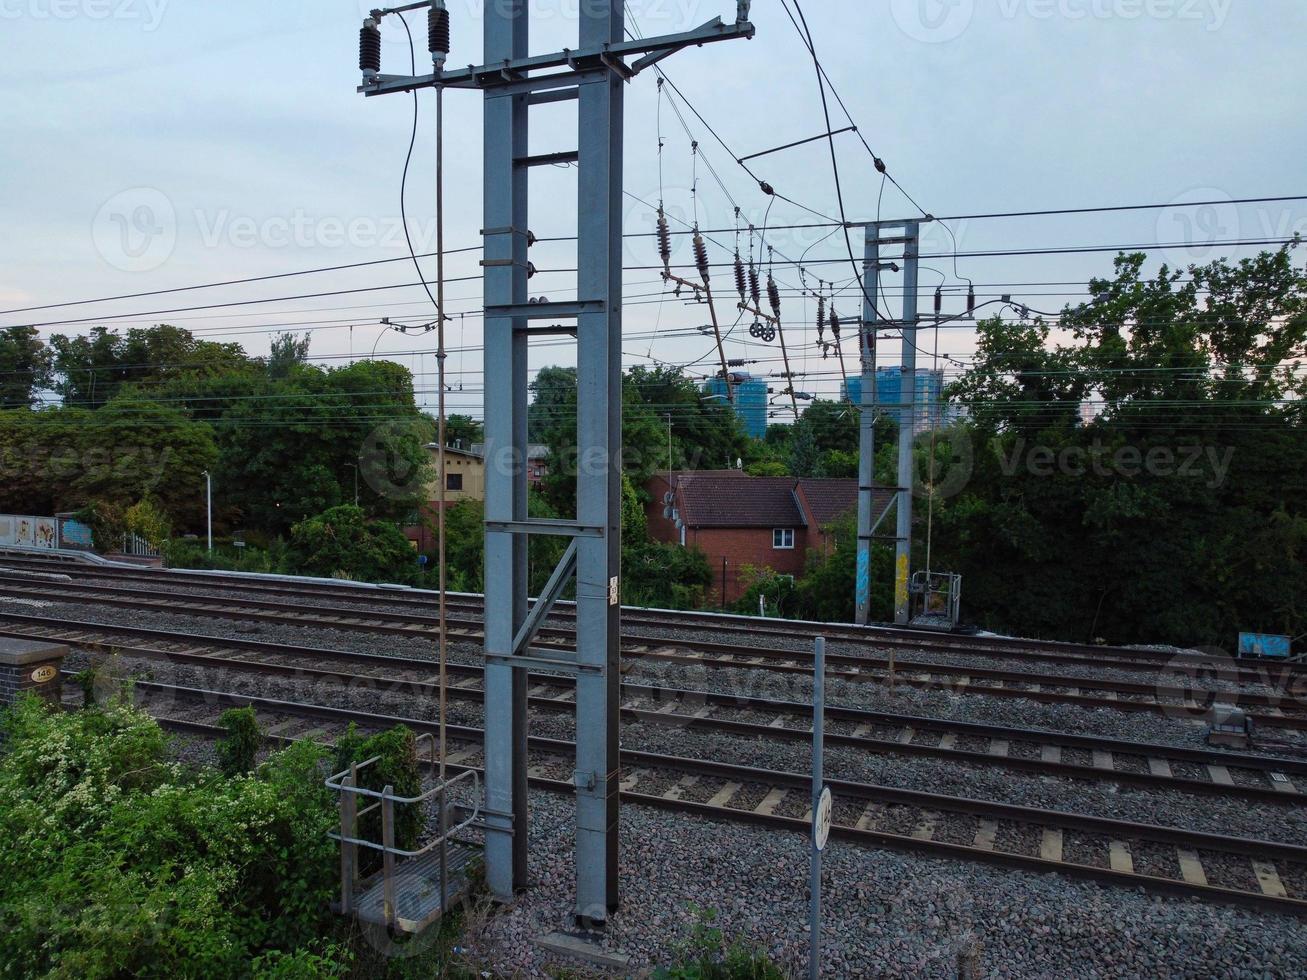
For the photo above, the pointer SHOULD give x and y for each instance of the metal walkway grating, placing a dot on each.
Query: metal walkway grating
(417, 889)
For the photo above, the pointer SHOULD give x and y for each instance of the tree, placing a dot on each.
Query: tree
(1176, 512)
(463, 430)
(341, 541)
(289, 351)
(91, 370)
(25, 364)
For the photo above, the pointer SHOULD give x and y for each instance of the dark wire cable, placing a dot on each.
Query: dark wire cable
(408, 159)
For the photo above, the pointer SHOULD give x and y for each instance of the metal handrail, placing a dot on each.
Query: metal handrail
(337, 782)
(400, 852)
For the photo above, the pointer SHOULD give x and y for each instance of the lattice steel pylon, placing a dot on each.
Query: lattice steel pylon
(594, 76)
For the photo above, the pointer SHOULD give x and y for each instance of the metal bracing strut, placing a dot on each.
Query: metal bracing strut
(594, 75)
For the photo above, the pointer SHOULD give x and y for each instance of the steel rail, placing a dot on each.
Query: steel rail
(862, 742)
(1124, 658)
(409, 624)
(73, 632)
(863, 792)
(910, 673)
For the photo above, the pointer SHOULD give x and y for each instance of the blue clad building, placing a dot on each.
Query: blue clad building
(930, 408)
(750, 402)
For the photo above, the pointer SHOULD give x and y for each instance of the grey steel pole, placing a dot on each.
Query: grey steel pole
(867, 433)
(818, 733)
(907, 424)
(505, 235)
(600, 106)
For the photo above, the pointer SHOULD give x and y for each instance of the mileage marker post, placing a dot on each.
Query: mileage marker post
(821, 805)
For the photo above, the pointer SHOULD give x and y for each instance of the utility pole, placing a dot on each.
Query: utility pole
(909, 237)
(512, 82)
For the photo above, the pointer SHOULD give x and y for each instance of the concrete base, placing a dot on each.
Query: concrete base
(30, 665)
(576, 946)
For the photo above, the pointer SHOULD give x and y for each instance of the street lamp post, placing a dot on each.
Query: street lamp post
(208, 506)
(354, 467)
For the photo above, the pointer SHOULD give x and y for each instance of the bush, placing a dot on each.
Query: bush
(237, 751)
(107, 523)
(776, 590)
(398, 768)
(665, 576)
(182, 553)
(116, 862)
(147, 521)
(342, 542)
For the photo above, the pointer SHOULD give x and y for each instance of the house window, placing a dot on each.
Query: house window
(782, 538)
(453, 481)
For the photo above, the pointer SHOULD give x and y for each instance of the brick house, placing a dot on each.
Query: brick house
(739, 520)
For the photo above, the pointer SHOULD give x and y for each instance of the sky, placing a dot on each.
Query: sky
(156, 144)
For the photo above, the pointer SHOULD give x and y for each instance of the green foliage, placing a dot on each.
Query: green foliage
(707, 955)
(107, 522)
(825, 592)
(1178, 513)
(463, 430)
(767, 467)
(288, 353)
(85, 679)
(398, 768)
(342, 542)
(92, 369)
(706, 433)
(274, 559)
(146, 520)
(765, 586)
(115, 862)
(238, 749)
(25, 364)
(62, 459)
(665, 576)
(307, 963)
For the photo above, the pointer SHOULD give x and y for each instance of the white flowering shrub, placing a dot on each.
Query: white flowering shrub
(115, 862)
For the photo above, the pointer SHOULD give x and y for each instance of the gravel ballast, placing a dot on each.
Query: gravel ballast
(886, 915)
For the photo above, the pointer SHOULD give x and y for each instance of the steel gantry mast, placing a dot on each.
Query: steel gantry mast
(909, 237)
(512, 82)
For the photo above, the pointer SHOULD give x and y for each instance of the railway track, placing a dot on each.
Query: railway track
(1259, 778)
(1278, 707)
(1212, 867)
(884, 637)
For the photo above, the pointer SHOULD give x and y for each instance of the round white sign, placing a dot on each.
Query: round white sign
(821, 820)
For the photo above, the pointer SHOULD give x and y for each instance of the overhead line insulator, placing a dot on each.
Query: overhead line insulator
(664, 240)
(773, 296)
(741, 285)
(438, 33)
(370, 49)
(755, 289)
(701, 256)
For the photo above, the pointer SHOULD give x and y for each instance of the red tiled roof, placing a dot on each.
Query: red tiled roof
(731, 498)
(829, 500)
(721, 500)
